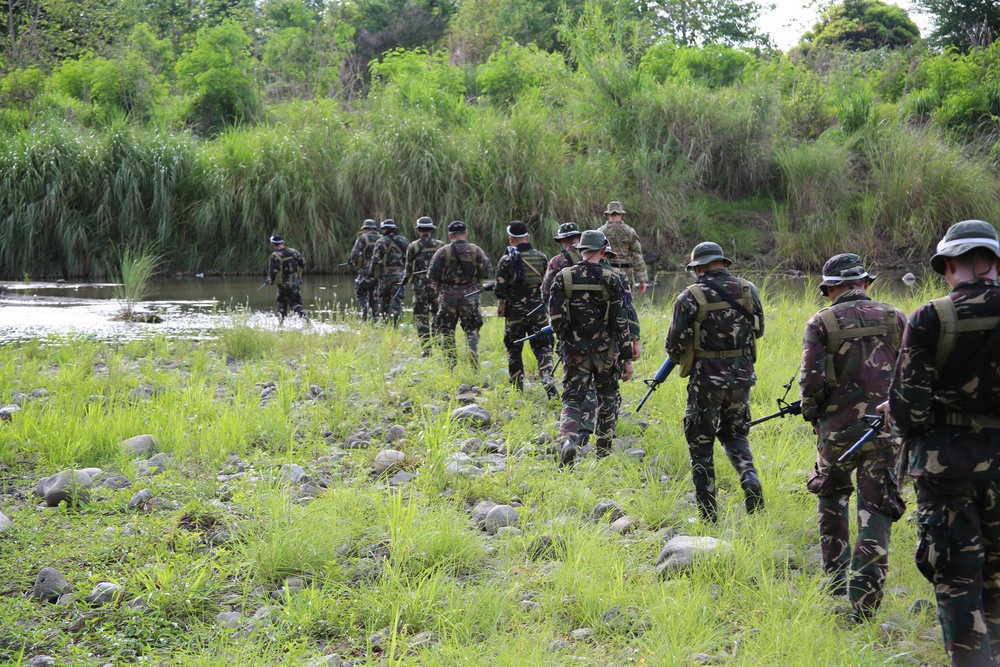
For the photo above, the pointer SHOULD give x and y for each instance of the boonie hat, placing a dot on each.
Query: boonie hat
(567, 230)
(277, 239)
(389, 223)
(424, 222)
(457, 226)
(706, 253)
(963, 237)
(614, 206)
(369, 224)
(517, 229)
(592, 240)
(843, 268)
(608, 252)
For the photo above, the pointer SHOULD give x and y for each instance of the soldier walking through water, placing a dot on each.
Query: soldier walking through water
(519, 278)
(425, 298)
(388, 260)
(626, 243)
(365, 284)
(712, 338)
(285, 267)
(848, 356)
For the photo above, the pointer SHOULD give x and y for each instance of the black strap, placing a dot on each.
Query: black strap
(952, 373)
(732, 302)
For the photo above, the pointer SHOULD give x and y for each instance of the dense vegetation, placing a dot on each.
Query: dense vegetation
(203, 129)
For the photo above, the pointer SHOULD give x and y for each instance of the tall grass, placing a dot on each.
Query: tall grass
(137, 268)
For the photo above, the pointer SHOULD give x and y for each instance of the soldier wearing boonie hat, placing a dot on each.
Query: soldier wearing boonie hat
(626, 241)
(365, 284)
(285, 267)
(567, 236)
(418, 261)
(945, 402)
(387, 265)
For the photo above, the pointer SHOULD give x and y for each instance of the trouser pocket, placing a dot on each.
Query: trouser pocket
(932, 542)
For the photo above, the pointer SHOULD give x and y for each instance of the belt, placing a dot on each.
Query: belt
(975, 422)
(621, 265)
(720, 354)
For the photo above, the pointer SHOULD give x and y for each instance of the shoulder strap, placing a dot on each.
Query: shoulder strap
(892, 326)
(951, 326)
(745, 287)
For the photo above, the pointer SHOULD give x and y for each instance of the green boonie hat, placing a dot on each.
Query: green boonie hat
(963, 237)
(567, 230)
(424, 222)
(843, 268)
(592, 240)
(614, 206)
(706, 253)
(369, 224)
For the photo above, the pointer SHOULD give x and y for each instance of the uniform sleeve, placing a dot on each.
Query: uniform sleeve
(503, 277)
(485, 266)
(356, 254)
(681, 329)
(434, 269)
(376, 257)
(301, 259)
(812, 374)
(629, 304)
(410, 258)
(557, 311)
(550, 275)
(758, 310)
(619, 321)
(636, 259)
(273, 266)
(911, 393)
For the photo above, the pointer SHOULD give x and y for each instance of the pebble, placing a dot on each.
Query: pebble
(139, 499)
(71, 487)
(680, 553)
(104, 593)
(140, 446)
(116, 482)
(474, 414)
(7, 412)
(292, 473)
(154, 465)
(581, 633)
(545, 546)
(480, 512)
(559, 645)
(508, 531)
(401, 478)
(921, 606)
(5, 523)
(909, 279)
(625, 525)
(607, 510)
(331, 660)
(635, 453)
(41, 661)
(388, 461)
(49, 585)
(395, 433)
(229, 619)
(499, 517)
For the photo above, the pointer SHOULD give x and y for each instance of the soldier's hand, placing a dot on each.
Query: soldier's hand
(636, 350)
(642, 288)
(626, 371)
(883, 409)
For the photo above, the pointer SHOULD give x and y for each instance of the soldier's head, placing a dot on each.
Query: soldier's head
(568, 234)
(425, 226)
(457, 231)
(970, 249)
(517, 232)
(388, 227)
(592, 244)
(369, 224)
(705, 257)
(608, 252)
(614, 211)
(842, 273)
(277, 241)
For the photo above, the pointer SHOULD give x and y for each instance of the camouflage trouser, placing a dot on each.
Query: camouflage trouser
(541, 346)
(959, 552)
(365, 291)
(390, 297)
(865, 570)
(717, 413)
(425, 306)
(290, 298)
(449, 314)
(590, 385)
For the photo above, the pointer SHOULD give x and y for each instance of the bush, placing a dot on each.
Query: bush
(21, 86)
(128, 84)
(514, 69)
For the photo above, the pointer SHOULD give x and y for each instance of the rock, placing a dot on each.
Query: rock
(230, 360)
(7, 412)
(38, 393)
(332, 660)
(138, 603)
(229, 619)
(93, 473)
(155, 465)
(71, 487)
(921, 606)
(317, 393)
(508, 531)
(499, 517)
(665, 534)
(426, 638)
(395, 433)
(104, 593)
(5, 523)
(607, 510)
(625, 525)
(680, 553)
(401, 478)
(140, 446)
(292, 473)
(909, 279)
(472, 445)
(388, 461)
(49, 585)
(559, 645)
(41, 661)
(892, 630)
(139, 499)
(116, 482)
(581, 633)
(545, 546)
(473, 414)
(480, 512)
(635, 453)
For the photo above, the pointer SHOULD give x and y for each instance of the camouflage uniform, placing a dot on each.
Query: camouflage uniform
(844, 377)
(285, 267)
(565, 258)
(718, 402)
(589, 317)
(519, 277)
(626, 241)
(425, 298)
(365, 284)
(457, 269)
(388, 260)
(945, 401)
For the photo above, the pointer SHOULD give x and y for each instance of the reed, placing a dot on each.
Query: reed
(137, 268)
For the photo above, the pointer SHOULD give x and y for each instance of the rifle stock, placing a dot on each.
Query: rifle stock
(544, 331)
(657, 379)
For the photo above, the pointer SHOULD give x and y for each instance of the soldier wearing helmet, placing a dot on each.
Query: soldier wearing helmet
(425, 298)
(387, 265)
(848, 355)
(285, 267)
(626, 242)
(712, 338)
(945, 401)
(361, 258)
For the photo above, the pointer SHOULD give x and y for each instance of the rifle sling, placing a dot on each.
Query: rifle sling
(725, 295)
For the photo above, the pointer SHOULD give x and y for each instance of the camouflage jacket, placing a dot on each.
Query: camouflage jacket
(625, 242)
(389, 256)
(843, 381)
(361, 254)
(627, 301)
(591, 319)
(285, 267)
(928, 395)
(722, 330)
(457, 269)
(519, 286)
(564, 258)
(418, 258)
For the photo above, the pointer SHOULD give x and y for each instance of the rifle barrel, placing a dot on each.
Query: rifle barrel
(877, 422)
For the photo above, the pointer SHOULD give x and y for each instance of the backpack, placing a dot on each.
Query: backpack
(835, 336)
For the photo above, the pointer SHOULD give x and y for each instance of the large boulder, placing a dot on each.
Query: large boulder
(680, 553)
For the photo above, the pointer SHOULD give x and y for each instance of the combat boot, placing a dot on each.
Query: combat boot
(602, 448)
(550, 389)
(567, 452)
(753, 492)
(708, 507)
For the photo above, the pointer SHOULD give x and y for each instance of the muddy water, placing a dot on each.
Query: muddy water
(196, 307)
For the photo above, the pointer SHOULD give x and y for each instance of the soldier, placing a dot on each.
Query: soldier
(589, 318)
(361, 258)
(848, 354)
(945, 401)
(712, 338)
(285, 267)
(388, 260)
(567, 236)
(519, 278)
(624, 238)
(457, 269)
(425, 298)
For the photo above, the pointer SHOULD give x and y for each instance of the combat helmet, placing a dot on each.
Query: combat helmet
(706, 253)
(843, 268)
(424, 222)
(369, 224)
(963, 237)
(567, 230)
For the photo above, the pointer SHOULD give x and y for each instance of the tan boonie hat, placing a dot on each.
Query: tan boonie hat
(614, 206)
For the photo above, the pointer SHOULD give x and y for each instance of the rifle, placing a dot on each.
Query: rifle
(876, 422)
(658, 379)
(266, 283)
(345, 264)
(487, 287)
(784, 407)
(544, 331)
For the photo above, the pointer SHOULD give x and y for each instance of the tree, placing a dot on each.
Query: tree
(382, 25)
(862, 25)
(693, 22)
(963, 24)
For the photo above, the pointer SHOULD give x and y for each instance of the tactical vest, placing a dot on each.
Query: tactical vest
(694, 350)
(835, 335)
(468, 263)
(569, 288)
(288, 267)
(534, 268)
(573, 255)
(423, 252)
(396, 249)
